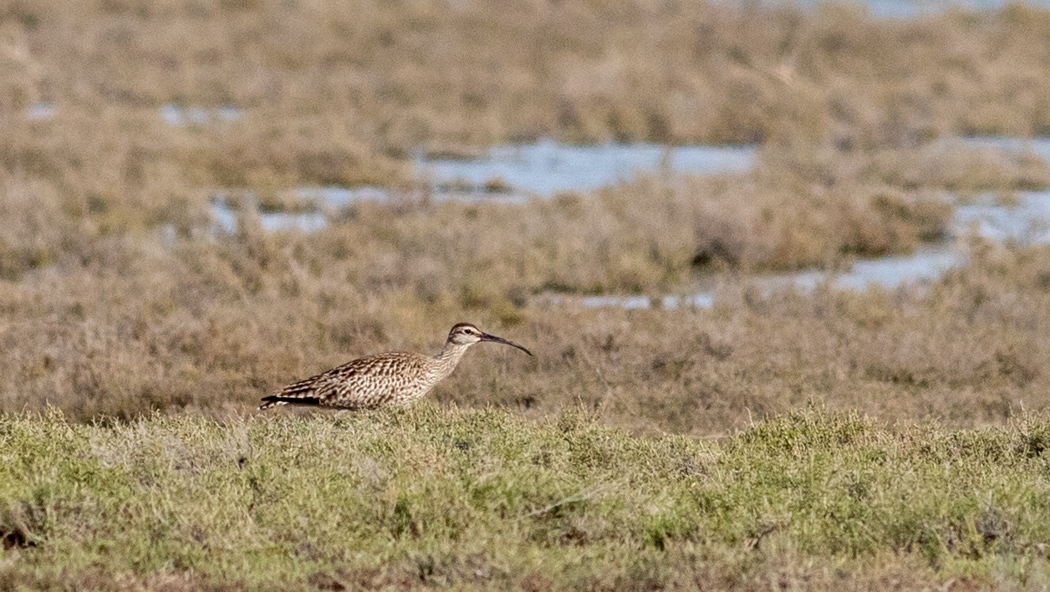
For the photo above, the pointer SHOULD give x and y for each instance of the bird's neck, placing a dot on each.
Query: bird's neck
(448, 358)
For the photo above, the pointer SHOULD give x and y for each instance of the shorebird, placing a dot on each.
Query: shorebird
(394, 378)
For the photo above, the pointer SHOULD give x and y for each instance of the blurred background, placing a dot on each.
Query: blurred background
(696, 213)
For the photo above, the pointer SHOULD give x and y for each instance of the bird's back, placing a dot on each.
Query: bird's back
(364, 383)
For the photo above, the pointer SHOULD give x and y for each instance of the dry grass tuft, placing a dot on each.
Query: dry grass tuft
(118, 298)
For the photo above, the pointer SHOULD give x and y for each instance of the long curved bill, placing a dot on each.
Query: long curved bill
(487, 337)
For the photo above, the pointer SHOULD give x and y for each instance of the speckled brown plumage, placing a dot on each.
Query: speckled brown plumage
(395, 378)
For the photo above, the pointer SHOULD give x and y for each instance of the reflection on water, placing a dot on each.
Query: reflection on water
(228, 207)
(628, 302)
(226, 220)
(906, 9)
(547, 167)
(40, 111)
(179, 115)
(923, 265)
(1026, 223)
(169, 113)
(1038, 146)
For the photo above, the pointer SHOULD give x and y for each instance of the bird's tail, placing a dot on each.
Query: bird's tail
(297, 393)
(278, 400)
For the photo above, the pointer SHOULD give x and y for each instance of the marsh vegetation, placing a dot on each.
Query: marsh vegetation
(818, 438)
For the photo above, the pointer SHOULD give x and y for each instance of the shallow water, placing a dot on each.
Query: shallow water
(169, 113)
(1026, 223)
(546, 168)
(924, 265)
(40, 111)
(523, 172)
(905, 9)
(179, 115)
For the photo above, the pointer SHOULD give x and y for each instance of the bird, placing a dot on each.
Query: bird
(383, 380)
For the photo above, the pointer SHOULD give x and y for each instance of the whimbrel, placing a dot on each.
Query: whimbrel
(395, 378)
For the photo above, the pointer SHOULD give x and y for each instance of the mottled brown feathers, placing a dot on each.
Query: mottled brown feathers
(394, 378)
(365, 383)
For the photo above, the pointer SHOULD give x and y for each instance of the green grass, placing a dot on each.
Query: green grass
(436, 497)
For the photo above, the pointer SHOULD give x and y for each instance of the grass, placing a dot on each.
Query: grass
(640, 449)
(341, 94)
(803, 208)
(446, 498)
(394, 75)
(844, 103)
(212, 327)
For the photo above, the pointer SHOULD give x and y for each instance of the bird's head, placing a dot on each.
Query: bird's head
(468, 334)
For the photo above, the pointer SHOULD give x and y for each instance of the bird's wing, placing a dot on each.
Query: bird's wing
(365, 382)
(371, 381)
